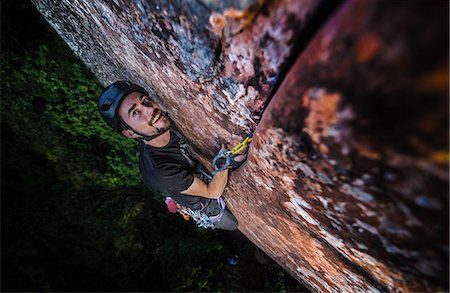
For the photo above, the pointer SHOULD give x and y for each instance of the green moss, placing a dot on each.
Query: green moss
(52, 104)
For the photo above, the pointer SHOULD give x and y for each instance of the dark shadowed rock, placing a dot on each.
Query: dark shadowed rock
(346, 184)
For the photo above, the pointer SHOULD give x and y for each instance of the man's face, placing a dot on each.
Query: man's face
(143, 115)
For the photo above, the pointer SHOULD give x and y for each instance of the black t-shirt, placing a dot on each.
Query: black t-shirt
(170, 170)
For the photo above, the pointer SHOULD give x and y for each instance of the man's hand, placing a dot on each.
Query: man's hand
(234, 161)
(241, 157)
(238, 160)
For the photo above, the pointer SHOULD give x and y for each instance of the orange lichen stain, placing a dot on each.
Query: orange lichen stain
(370, 154)
(232, 17)
(440, 157)
(365, 152)
(322, 112)
(367, 46)
(315, 187)
(305, 100)
(435, 81)
(234, 13)
(436, 156)
(323, 148)
(217, 22)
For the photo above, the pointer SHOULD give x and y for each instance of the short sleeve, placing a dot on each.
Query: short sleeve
(165, 170)
(175, 179)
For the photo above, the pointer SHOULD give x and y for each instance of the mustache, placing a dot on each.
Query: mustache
(155, 113)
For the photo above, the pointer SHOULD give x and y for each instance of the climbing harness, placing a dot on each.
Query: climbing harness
(224, 160)
(199, 216)
(205, 176)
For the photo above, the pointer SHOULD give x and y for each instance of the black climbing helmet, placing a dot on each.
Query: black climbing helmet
(110, 99)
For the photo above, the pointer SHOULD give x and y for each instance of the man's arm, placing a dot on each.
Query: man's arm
(213, 189)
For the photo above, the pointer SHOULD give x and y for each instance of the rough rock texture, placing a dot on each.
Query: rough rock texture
(212, 71)
(346, 184)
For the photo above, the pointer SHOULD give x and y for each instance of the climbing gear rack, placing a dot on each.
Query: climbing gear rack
(199, 216)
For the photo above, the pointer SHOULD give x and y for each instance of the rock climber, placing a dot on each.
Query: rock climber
(165, 162)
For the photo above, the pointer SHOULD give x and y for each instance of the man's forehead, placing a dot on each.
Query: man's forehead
(135, 95)
(129, 101)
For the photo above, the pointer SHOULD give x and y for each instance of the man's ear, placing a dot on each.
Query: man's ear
(130, 133)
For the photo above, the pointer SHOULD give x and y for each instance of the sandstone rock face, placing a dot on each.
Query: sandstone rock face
(212, 71)
(346, 183)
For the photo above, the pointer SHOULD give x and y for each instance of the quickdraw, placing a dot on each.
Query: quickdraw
(242, 145)
(228, 155)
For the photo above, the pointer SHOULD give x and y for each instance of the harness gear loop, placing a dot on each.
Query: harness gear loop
(199, 216)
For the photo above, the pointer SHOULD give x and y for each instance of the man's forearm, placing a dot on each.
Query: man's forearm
(217, 185)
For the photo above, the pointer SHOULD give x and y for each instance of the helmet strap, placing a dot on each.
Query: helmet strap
(148, 138)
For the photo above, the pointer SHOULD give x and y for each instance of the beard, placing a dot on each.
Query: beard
(159, 130)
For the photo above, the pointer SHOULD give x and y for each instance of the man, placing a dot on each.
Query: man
(165, 162)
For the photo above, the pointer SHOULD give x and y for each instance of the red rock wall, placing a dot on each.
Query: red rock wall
(351, 182)
(213, 71)
(346, 184)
